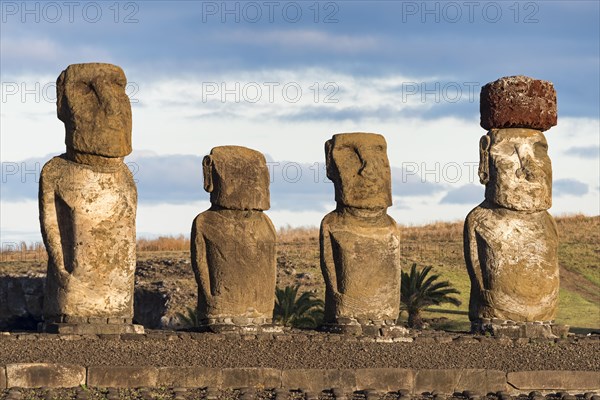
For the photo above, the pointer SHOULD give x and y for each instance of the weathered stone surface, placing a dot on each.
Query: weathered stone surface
(233, 242)
(2, 377)
(237, 178)
(122, 377)
(360, 244)
(93, 329)
(384, 378)
(481, 380)
(510, 240)
(88, 200)
(513, 265)
(189, 377)
(317, 379)
(518, 102)
(93, 104)
(44, 375)
(516, 169)
(357, 164)
(441, 380)
(235, 378)
(554, 380)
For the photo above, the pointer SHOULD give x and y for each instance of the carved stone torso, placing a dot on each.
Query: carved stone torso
(361, 266)
(234, 259)
(513, 262)
(88, 223)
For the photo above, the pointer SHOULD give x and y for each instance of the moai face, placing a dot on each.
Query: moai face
(237, 178)
(92, 102)
(514, 163)
(357, 164)
(516, 169)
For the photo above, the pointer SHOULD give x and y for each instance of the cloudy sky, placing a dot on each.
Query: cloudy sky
(282, 77)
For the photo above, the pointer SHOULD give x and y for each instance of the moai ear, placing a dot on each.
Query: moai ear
(484, 159)
(61, 104)
(329, 159)
(207, 170)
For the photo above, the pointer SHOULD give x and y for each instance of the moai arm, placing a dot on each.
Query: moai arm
(471, 252)
(199, 262)
(327, 261)
(49, 219)
(332, 294)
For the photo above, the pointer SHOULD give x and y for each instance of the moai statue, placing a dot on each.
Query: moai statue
(360, 243)
(87, 202)
(233, 244)
(510, 240)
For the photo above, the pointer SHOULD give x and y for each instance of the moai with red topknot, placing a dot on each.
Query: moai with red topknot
(510, 239)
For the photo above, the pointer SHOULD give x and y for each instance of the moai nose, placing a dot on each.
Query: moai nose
(105, 97)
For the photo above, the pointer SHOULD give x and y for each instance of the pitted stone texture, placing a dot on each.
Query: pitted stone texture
(318, 379)
(513, 330)
(510, 240)
(189, 377)
(92, 329)
(237, 178)
(88, 200)
(360, 243)
(88, 225)
(2, 377)
(93, 104)
(516, 169)
(554, 380)
(250, 377)
(122, 377)
(45, 375)
(357, 164)
(518, 102)
(233, 243)
(390, 379)
(512, 261)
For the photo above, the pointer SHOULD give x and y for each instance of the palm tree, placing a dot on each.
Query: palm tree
(305, 311)
(190, 319)
(419, 291)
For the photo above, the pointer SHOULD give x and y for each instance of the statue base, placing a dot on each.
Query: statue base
(516, 330)
(242, 325)
(359, 327)
(72, 325)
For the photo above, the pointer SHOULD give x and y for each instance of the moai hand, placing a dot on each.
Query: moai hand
(233, 243)
(88, 203)
(360, 244)
(510, 240)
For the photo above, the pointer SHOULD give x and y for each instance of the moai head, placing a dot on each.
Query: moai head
(514, 164)
(357, 164)
(92, 103)
(237, 178)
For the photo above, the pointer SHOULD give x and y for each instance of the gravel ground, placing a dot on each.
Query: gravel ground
(298, 351)
(203, 394)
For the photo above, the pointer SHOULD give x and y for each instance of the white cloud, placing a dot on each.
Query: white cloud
(305, 38)
(173, 118)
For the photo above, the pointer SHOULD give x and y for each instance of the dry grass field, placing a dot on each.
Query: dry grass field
(438, 245)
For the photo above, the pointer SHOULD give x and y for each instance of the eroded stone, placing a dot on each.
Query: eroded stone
(360, 243)
(510, 240)
(518, 102)
(88, 201)
(233, 242)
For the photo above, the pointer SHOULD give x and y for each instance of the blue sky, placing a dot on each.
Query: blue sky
(282, 77)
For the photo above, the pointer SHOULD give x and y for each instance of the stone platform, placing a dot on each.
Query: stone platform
(300, 364)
